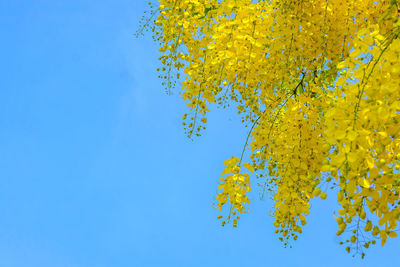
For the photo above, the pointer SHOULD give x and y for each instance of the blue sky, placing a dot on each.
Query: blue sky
(95, 169)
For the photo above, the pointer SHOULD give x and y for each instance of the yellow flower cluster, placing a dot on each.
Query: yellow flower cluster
(235, 185)
(318, 81)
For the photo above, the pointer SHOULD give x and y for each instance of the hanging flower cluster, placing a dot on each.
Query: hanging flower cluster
(318, 81)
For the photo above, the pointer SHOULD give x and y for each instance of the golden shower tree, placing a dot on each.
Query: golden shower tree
(318, 84)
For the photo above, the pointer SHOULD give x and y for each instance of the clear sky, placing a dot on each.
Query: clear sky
(95, 169)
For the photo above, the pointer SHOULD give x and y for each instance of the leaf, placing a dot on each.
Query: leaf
(370, 162)
(342, 65)
(364, 183)
(383, 241)
(392, 234)
(248, 166)
(340, 134)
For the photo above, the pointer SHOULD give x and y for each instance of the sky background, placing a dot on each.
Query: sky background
(95, 169)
